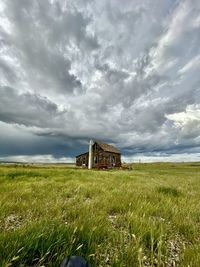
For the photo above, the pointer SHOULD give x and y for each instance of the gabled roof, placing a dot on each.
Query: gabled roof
(108, 148)
(82, 154)
(105, 147)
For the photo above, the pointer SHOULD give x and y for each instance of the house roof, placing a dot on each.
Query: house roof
(107, 147)
(82, 154)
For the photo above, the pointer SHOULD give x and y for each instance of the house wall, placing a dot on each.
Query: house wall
(82, 160)
(100, 158)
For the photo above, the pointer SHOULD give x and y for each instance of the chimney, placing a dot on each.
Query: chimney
(90, 155)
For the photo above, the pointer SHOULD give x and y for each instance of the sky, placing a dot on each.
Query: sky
(123, 72)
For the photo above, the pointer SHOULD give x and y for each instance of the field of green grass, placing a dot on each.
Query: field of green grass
(146, 216)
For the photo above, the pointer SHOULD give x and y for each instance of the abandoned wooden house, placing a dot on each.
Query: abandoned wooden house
(100, 155)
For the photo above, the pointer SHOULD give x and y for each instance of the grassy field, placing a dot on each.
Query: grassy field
(146, 216)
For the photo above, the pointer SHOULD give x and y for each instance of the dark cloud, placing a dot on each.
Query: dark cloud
(26, 109)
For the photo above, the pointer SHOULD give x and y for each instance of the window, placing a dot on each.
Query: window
(112, 159)
(95, 159)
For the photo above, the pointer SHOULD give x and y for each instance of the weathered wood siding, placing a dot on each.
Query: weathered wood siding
(101, 158)
(82, 160)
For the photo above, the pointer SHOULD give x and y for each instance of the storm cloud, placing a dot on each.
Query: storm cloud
(126, 73)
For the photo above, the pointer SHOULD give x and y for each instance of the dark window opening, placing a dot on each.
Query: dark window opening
(95, 160)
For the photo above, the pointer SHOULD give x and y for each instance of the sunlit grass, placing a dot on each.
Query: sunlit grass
(146, 216)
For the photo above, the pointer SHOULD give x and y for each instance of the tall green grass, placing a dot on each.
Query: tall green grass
(146, 216)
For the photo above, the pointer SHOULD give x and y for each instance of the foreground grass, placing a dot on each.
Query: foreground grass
(147, 216)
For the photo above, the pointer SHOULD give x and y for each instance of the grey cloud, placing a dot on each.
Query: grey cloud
(42, 36)
(7, 72)
(15, 140)
(105, 70)
(26, 109)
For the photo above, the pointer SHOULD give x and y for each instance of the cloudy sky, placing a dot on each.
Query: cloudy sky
(124, 72)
